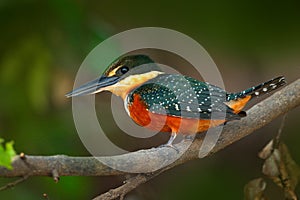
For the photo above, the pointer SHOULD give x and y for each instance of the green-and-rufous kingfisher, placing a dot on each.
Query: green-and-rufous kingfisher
(171, 103)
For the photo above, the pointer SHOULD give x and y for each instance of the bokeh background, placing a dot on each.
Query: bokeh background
(42, 44)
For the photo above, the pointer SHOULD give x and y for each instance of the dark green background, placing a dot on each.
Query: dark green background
(42, 44)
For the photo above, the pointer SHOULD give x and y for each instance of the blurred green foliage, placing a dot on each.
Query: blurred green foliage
(44, 42)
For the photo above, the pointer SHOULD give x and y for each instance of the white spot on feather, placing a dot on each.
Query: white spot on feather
(188, 108)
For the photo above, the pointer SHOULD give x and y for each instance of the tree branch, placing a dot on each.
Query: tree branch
(258, 116)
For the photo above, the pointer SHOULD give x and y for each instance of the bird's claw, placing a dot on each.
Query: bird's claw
(189, 138)
(170, 146)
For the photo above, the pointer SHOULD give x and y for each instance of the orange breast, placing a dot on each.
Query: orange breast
(239, 104)
(158, 122)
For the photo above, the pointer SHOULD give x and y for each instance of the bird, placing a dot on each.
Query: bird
(171, 103)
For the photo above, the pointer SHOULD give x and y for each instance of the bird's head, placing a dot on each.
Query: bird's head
(121, 76)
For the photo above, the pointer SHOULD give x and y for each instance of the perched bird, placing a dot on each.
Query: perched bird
(171, 102)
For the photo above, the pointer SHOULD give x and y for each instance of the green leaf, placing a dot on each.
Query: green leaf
(6, 154)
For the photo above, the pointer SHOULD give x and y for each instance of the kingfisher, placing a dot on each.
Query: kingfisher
(171, 103)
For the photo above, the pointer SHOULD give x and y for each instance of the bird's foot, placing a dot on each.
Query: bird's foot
(169, 146)
(189, 137)
(170, 143)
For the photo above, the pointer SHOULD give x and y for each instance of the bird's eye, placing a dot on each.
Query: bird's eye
(124, 69)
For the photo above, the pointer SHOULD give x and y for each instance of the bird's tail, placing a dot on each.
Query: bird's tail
(260, 89)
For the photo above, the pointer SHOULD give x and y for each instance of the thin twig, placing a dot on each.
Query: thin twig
(278, 136)
(55, 175)
(14, 183)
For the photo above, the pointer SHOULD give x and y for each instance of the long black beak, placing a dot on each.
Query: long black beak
(93, 86)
